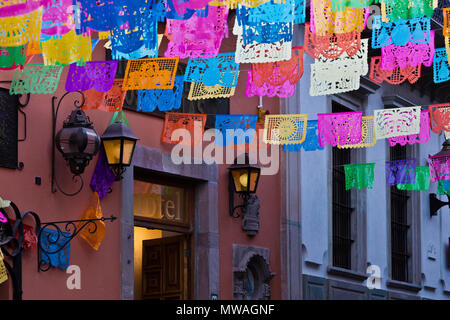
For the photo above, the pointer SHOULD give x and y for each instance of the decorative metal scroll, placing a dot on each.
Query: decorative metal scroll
(54, 240)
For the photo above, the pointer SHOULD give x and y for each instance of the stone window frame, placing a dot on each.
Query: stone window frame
(206, 233)
(359, 201)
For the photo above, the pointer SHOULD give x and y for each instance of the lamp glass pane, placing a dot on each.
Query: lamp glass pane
(66, 140)
(240, 179)
(254, 174)
(128, 146)
(92, 142)
(112, 150)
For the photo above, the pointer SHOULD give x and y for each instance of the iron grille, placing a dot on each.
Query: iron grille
(399, 225)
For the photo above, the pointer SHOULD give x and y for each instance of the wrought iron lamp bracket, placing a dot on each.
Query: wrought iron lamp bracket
(55, 109)
(71, 228)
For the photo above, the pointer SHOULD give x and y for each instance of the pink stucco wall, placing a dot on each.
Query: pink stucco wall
(100, 270)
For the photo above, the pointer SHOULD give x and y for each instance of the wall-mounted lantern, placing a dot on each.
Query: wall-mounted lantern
(435, 203)
(244, 181)
(77, 141)
(119, 143)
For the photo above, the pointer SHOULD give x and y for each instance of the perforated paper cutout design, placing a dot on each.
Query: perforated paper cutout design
(324, 20)
(233, 3)
(411, 54)
(183, 10)
(154, 73)
(110, 101)
(395, 76)
(266, 32)
(198, 91)
(51, 240)
(191, 122)
(149, 100)
(12, 57)
(446, 27)
(441, 67)
(331, 45)
(311, 142)
(18, 30)
(197, 37)
(340, 5)
(439, 167)
(277, 73)
(283, 91)
(68, 49)
(359, 176)
(10, 8)
(393, 10)
(235, 128)
(268, 12)
(340, 128)
(97, 15)
(422, 180)
(422, 137)
(132, 53)
(439, 117)
(397, 122)
(331, 76)
(218, 70)
(401, 171)
(368, 135)
(401, 32)
(260, 52)
(57, 18)
(285, 128)
(98, 75)
(35, 78)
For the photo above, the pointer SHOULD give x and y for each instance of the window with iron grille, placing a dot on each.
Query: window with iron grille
(400, 225)
(342, 206)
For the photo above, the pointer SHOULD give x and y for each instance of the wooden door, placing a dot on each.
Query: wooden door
(163, 268)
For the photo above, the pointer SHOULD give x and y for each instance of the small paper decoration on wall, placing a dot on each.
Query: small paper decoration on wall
(400, 171)
(340, 128)
(163, 99)
(218, 70)
(68, 49)
(51, 241)
(441, 67)
(439, 117)
(401, 32)
(110, 101)
(3, 271)
(324, 20)
(98, 75)
(102, 178)
(395, 76)
(18, 30)
(57, 18)
(35, 78)
(422, 180)
(411, 54)
(439, 167)
(233, 3)
(393, 10)
(153, 73)
(93, 211)
(397, 122)
(359, 176)
(311, 142)
(422, 137)
(331, 45)
(193, 123)
(12, 57)
(256, 52)
(283, 91)
(198, 91)
(285, 128)
(235, 128)
(197, 37)
(368, 135)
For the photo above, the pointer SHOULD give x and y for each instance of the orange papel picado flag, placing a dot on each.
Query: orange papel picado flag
(93, 236)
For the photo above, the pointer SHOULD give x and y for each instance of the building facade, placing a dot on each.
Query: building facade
(350, 236)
